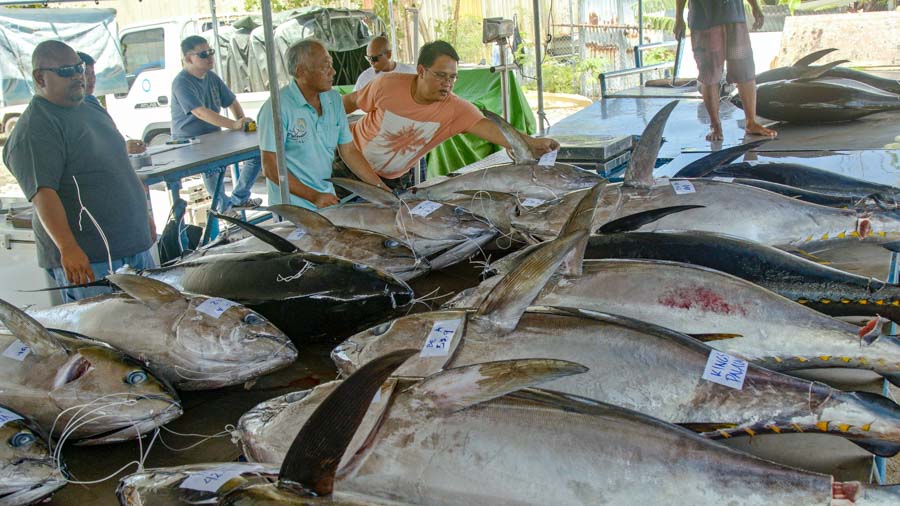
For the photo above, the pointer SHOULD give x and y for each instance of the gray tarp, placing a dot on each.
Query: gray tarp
(92, 31)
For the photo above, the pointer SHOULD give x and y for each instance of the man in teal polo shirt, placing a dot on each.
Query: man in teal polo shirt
(314, 124)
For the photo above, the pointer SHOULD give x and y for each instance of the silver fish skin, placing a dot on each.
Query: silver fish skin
(28, 474)
(162, 486)
(189, 348)
(495, 452)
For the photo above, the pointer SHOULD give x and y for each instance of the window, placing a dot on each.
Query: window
(144, 50)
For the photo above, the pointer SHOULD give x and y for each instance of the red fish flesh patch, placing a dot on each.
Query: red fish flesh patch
(701, 298)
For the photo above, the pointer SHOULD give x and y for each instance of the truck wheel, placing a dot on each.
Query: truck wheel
(9, 124)
(157, 137)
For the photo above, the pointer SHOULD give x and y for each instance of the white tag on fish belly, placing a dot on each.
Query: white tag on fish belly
(549, 159)
(682, 187)
(726, 370)
(8, 416)
(211, 480)
(440, 338)
(296, 234)
(531, 202)
(215, 306)
(17, 351)
(724, 179)
(425, 208)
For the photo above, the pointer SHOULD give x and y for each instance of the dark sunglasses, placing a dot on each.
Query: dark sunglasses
(375, 58)
(206, 54)
(66, 70)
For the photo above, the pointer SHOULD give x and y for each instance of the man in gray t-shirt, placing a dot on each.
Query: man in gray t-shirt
(71, 163)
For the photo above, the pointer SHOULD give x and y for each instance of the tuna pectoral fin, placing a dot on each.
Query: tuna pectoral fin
(311, 221)
(368, 192)
(272, 239)
(637, 220)
(152, 293)
(312, 460)
(706, 338)
(506, 303)
(580, 221)
(519, 150)
(813, 57)
(461, 387)
(876, 447)
(704, 166)
(639, 173)
(29, 331)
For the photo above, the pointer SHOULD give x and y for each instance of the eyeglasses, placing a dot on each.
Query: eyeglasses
(444, 77)
(66, 70)
(205, 54)
(374, 58)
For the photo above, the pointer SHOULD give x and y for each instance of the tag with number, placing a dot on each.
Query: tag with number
(425, 208)
(724, 179)
(726, 370)
(211, 480)
(549, 159)
(8, 416)
(530, 202)
(682, 187)
(440, 338)
(215, 307)
(17, 351)
(296, 234)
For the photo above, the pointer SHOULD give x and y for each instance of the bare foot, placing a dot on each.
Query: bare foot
(715, 134)
(757, 129)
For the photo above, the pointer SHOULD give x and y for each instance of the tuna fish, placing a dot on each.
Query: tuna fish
(28, 474)
(190, 484)
(803, 65)
(193, 342)
(77, 388)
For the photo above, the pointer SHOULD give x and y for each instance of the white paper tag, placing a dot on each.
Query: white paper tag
(296, 234)
(530, 202)
(215, 307)
(8, 416)
(425, 208)
(549, 159)
(17, 351)
(211, 480)
(724, 179)
(726, 370)
(440, 338)
(682, 187)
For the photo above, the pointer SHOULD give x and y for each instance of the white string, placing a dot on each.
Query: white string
(425, 299)
(94, 221)
(140, 463)
(229, 430)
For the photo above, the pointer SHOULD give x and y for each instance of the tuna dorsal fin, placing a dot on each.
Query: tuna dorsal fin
(812, 73)
(709, 163)
(312, 460)
(368, 192)
(311, 221)
(507, 301)
(461, 387)
(807, 60)
(272, 239)
(29, 331)
(638, 220)
(518, 149)
(707, 338)
(580, 221)
(639, 173)
(152, 293)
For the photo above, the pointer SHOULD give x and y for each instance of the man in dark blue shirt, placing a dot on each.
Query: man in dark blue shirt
(719, 34)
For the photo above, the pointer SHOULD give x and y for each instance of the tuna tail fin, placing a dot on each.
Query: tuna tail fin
(367, 191)
(813, 73)
(506, 303)
(807, 60)
(276, 241)
(518, 150)
(637, 220)
(639, 173)
(152, 293)
(458, 388)
(29, 331)
(580, 221)
(709, 163)
(310, 464)
(311, 221)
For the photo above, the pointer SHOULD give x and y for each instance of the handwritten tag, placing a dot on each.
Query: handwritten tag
(215, 307)
(425, 208)
(682, 187)
(211, 480)
(726, 370)
(8, 416)
(296, 234)
(17, 351)
(549, 159)
(530, 202)
(438, 342)
(724, 179)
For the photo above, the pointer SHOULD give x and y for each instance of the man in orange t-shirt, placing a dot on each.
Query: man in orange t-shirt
(409, 114)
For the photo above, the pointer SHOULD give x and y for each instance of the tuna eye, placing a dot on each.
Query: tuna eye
(136, 377)
(362, 267)
(22, 439)
(381, 329)
(391, 244)
(254, 319)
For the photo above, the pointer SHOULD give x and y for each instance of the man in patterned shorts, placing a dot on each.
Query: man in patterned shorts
(719, 34)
